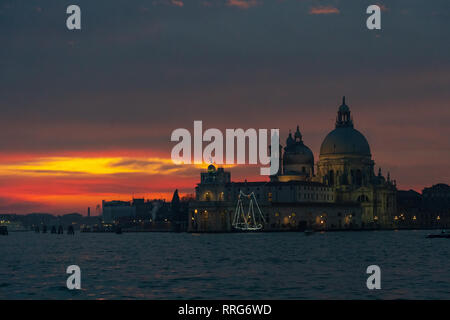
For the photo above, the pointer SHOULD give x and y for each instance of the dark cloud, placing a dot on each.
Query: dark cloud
(139, 69)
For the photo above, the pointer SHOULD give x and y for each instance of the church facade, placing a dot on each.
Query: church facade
(340, 191)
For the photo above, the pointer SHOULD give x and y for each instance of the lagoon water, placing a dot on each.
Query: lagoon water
(225, 266)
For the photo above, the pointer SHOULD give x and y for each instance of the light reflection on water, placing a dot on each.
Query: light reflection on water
(225, 266)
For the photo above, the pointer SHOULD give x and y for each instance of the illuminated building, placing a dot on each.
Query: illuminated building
(343, 193)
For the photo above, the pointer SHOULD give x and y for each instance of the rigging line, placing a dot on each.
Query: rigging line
(243, 213)
(237, 210)
(249, 212)
(257, 205)
(253, 213)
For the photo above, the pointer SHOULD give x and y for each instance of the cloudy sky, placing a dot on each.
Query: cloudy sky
(87, 115)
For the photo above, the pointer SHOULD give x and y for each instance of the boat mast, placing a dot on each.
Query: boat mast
(247, 220)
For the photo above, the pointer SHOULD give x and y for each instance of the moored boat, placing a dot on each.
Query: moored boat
(443, 234)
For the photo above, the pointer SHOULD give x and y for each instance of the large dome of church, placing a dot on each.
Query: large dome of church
(344, 139)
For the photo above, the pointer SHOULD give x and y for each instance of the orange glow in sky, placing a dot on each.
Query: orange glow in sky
(64, 184)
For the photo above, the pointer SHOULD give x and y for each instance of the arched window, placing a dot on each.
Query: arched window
(363, 198)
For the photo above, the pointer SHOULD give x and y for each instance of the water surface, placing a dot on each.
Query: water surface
(225, 266)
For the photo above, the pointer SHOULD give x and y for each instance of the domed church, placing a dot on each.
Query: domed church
(345, 157)
(345, 164)
(342, 193)
(297, 162)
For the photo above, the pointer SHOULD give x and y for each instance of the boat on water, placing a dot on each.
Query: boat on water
(308, 232)
(443, 234)
(248, 221)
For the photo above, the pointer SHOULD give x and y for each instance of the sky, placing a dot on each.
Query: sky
(87, 115)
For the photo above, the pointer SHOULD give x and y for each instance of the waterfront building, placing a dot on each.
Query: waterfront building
(113, 210)
(139, 212)
(436, 206)
(409, 209)
(346, 164)
(341, 191)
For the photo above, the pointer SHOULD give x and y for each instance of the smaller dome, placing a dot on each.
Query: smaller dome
(298, 154)
(211, 168)
(298, 159)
